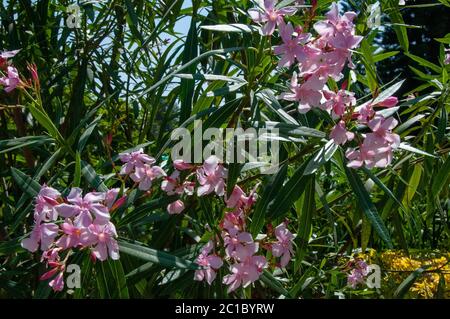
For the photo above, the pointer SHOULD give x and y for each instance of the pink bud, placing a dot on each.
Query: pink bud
(34, 73)
(49, 274)
(51, 201)
(54, 264)
(118, 203)
(176, 207)
(93, 258)
(389, 102)
(182, 165)
(108, 139)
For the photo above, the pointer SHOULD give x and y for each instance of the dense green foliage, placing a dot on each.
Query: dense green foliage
(114, 85)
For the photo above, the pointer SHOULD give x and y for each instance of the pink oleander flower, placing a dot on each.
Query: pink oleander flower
(146, 174)
(172, 185)
(210, 264)
(371, 155)
(84, 208)
(283, 247)
(42, 233)
(340, 135)
(74, 236)
(234, 219)
(388, 102)
(211, 177)
(354, 278)
(364, 113)
(267, 13)
(182, 165)
(292, 47)
(235, 241)
(103, 237)
(238, 198)
(337, 102)
(11, 80)
(245, 273)
(357, 274)
(335, 23)
(134, 160)
(357, 158)
(51, 255)
(382, 132)
(57, 283)
(312, 59)
(5, 55)
(343, 44)
(176, 207)
(308, 94)
(45, 202)
(337, 36)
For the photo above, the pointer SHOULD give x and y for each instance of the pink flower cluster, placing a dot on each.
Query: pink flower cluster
(240, 249)
(11, 78)
(320, 58)
(183, 180)
(74, 222)
(358, 274)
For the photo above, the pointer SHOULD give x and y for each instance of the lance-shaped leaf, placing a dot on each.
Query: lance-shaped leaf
(364, 201)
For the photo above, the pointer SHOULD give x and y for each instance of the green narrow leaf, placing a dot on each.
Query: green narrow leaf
(366, 230)
(221, 115)
(47, 123)
(403, 288)
(398, 24)
(269, 192)
(441, 178)
(305, 221)
(289, 193)
(77, 174)
(155, 256)
(189, 54)
(387, 92)
(412, 185)
(322, 156)
(133, 20)
(87, 133)
(381, 185)
(111, 280)
(273, 283)
(20, 142)
(25, 183)
(383, 56)
(91, 176)
(234, 170)
(367, 206)
(410, 148)
(424, 62)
